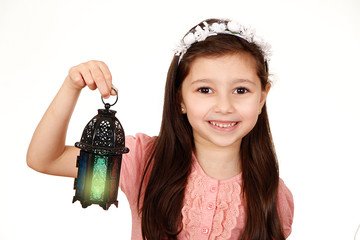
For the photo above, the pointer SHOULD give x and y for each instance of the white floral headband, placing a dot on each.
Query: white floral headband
(232, 28)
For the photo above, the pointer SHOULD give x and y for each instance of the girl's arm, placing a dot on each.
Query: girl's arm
(47, 152)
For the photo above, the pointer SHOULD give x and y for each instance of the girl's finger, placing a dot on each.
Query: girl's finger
(107, 74)
(112, 90)
(88, 78)
(76, 78)
(99, 79)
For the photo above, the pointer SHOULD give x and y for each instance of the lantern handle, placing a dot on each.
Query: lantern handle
(107, 105)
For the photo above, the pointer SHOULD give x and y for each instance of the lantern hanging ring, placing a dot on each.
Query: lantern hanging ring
(108, 105)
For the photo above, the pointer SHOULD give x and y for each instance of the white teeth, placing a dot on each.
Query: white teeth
(223, 125)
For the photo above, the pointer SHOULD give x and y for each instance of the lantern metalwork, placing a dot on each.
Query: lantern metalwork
(102, 145)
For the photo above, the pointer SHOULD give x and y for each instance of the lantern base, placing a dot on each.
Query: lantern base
(86, 203)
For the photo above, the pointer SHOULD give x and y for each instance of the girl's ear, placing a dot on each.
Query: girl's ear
(181, 102)
(264, 94)
(183, 108)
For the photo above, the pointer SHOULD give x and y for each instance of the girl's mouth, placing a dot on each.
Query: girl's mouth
(223, 124)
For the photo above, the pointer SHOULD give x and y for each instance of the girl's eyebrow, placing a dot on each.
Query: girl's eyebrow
(243, 80)
(205, 80)
(235, 81)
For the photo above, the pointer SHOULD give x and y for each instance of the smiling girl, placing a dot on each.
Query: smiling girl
(212, 171)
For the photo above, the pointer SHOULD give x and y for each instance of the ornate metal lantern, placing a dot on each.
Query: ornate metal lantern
(102, 145)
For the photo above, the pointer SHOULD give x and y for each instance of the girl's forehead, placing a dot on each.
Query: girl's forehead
(240, 65)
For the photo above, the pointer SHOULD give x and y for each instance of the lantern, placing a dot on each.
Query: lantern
(102, 145)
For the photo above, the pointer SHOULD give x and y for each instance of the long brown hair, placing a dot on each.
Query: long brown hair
(162, 188)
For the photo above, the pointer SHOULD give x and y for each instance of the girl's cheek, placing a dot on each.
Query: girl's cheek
(253, 113)
(249, 108)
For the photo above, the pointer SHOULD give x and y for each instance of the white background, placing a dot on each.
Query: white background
(313, 105)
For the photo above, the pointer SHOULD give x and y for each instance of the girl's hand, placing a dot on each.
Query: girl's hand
(94, 74)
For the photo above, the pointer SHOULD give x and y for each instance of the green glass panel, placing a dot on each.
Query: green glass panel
(99, 178)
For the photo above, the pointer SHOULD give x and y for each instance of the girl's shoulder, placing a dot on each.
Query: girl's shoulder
(285, 207)
(140, 147)
(139, 138)
(139, 143)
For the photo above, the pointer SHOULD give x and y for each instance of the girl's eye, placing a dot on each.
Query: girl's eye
(241, 90)
(204, 90)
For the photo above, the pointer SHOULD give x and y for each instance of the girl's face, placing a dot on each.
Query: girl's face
(222, 97)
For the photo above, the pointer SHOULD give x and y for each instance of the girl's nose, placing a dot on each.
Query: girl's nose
(224, 105)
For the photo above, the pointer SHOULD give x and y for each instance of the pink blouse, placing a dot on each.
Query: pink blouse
(213, 209)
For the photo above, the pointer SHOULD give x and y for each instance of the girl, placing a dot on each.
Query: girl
(212, 172)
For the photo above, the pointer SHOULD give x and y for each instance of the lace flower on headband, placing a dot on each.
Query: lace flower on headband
(232, 27)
